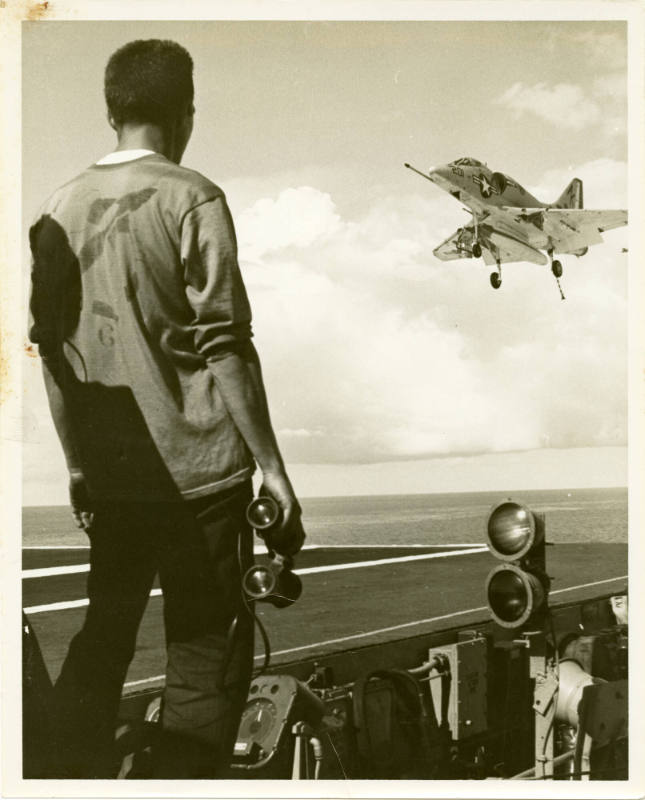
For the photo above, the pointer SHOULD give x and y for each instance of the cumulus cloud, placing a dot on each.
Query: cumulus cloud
(594, 91)
(373, 350)
(570, 106)
(564, 104)
(297, 217)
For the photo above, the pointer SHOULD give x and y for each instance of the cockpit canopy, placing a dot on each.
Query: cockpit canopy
(467, 162)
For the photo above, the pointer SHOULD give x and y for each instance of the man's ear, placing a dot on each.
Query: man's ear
(111, 121)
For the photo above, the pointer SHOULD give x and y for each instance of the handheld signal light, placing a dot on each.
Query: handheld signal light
(263, 513)
(517, 589)
(274, 582)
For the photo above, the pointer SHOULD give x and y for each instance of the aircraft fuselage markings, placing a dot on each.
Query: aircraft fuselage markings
(485, 186)
(496, 192)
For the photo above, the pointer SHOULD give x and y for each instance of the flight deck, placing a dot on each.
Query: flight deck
(352, 597)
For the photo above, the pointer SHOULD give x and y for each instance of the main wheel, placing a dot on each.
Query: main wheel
(556, 269)
(495, 280)
(477, 250)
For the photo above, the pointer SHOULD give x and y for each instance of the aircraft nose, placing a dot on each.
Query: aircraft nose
(440, 169)
(435, 173)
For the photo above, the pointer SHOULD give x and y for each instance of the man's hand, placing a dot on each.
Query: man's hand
(288, 538)
(80, 500)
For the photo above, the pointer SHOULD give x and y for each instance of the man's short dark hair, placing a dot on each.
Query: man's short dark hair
(149, 80)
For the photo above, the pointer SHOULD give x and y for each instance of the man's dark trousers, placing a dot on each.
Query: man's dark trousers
(199, 548)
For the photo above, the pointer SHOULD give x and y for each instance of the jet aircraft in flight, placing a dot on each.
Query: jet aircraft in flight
(509, 224)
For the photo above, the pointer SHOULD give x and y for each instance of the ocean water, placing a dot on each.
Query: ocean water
(575, 515)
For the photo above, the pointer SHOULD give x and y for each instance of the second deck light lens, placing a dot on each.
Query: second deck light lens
(513, 595)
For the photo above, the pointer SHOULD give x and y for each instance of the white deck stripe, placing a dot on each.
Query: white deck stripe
(61, 606)
(55, 547)
(397, 560)
(156, 678)
(67, 604)
(593, 583)
(48, 572)
(390, 546)
(259, 548)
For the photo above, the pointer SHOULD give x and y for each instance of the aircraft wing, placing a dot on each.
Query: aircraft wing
(456, 246)
(587, 217)
(571, 229)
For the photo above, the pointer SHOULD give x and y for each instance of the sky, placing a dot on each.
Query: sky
(386, 369)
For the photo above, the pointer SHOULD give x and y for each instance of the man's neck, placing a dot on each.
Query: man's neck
(141, 137)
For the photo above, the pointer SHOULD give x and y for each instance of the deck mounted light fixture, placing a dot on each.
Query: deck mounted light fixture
(516, 590)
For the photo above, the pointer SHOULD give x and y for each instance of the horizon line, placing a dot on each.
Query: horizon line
(409, 494)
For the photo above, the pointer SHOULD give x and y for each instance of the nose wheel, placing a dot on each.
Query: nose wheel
(496, 277)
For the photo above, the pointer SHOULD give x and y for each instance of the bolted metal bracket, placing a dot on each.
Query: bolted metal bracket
(545, 688)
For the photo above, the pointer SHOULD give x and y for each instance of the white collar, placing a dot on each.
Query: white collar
(120, 156)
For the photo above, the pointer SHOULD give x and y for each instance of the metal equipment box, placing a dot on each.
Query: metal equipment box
(467, 701)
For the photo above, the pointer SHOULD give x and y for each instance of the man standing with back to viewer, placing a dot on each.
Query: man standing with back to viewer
(155, 389)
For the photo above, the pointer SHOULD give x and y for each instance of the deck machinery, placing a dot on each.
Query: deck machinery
(537, 691)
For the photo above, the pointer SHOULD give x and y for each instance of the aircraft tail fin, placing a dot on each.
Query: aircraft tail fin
(571, 197)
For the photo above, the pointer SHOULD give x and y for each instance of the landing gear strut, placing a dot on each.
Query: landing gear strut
(496, 277)
(556, 269)
(476, 248)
